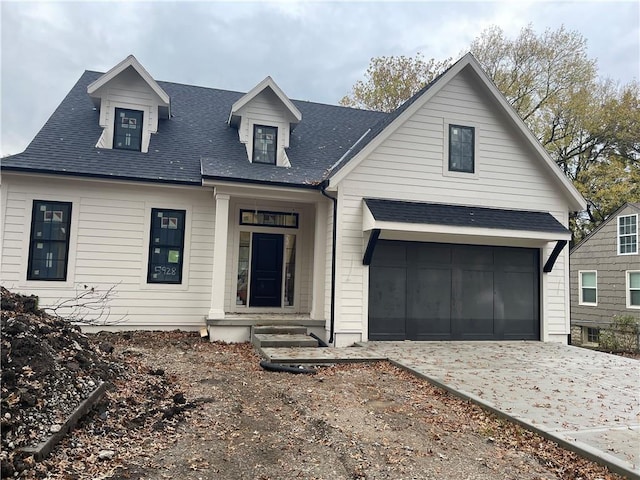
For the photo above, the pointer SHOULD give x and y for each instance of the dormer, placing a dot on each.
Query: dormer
(265, 118)
(130, 103)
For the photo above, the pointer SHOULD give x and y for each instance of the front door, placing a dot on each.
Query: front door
(266, 270)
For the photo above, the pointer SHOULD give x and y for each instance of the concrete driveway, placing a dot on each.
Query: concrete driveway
(586, 401)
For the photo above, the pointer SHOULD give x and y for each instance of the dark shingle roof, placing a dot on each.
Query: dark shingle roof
(195, 142)
(462, 216)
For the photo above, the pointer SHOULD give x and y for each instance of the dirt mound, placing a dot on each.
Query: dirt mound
(49, 367)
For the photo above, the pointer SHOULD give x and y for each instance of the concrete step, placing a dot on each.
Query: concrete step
(275, 340)
(280, 329)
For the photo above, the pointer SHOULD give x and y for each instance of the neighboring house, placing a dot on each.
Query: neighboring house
(445, 219)
(605, 275)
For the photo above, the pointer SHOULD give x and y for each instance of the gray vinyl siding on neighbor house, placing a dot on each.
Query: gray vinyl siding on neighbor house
(599, 253)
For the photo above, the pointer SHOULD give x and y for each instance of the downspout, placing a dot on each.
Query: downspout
(323, 188)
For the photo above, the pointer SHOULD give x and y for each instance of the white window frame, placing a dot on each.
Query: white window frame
(618, 234)
(628, 289)
(580, 298)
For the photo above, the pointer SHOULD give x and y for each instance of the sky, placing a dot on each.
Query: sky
(313, 50)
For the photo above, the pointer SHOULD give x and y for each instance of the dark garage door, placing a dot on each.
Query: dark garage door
(435, 291)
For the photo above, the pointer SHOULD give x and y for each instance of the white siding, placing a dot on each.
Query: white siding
(265, 109)
(411, 165)
(109, 246)
(127, 90)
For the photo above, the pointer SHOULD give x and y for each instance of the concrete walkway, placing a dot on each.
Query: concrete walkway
(586, 401)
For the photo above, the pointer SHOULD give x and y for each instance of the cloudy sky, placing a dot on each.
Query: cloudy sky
(314, 50)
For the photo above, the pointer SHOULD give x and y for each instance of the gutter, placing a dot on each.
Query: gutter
(323, 188)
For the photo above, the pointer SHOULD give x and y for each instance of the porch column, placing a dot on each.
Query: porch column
(319, 261)
(219, 275)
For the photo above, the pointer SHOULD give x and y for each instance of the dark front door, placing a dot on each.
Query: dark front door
(266, 270)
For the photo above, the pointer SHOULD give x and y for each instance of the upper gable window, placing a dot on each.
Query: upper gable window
(461, 149)
(265, 141)
(127, 134)
(628, 234)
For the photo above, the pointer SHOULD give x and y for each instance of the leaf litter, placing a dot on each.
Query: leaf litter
(183, 407)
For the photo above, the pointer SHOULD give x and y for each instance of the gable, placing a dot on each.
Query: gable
(469, 67)
(412, 162)
(602, 242)
(129, 92)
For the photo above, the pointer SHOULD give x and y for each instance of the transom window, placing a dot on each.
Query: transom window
(265, 141)
(633, 289)
(588, 288)
(127, 132)
(166, 246)
(627, 234)
(461, 149)
(269, 219)
(49, 240)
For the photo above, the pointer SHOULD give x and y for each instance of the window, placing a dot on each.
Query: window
(244, 256)
(633, 289)
(166, 245)
(461, 149)
(593, 335)
(269, 219)
(49, 240)
(628, 234)
(265, 140)
(127, 131)
(588, 288)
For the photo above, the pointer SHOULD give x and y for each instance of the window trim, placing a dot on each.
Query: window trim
(588, 331)
(628, 289)
(619, 235)
(32, 241)
(473, 148)
(580, 292)
(183, 259)
(116, 110)
(272, 212)
(446, 124)
(253, 145)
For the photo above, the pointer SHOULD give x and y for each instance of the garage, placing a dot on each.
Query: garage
(438, 291)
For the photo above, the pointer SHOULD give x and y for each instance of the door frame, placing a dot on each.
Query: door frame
(234, 242)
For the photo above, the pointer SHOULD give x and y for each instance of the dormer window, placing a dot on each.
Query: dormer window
(265, 141)
(128, 129)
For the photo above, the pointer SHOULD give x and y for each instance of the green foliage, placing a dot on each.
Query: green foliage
(622, 334)
(589, 125)
(389, 81)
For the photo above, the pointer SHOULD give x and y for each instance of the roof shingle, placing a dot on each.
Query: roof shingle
(195, 142)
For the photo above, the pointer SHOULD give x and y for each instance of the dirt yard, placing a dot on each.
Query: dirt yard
(345, 422)
(182, 407)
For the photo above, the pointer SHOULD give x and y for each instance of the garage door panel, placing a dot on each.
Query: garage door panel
(436, 255)
(516, 259)
(473, 297)
(472, 255)
(390, 254)
(387, 303)
(515, 296)
(429, 303)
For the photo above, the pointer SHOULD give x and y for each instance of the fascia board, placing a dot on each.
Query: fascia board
(466, 231)
(130, 61)
(268, 82)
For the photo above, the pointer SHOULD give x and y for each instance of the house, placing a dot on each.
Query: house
(444, 220)
(605, 275)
